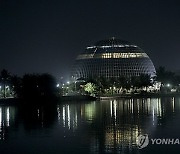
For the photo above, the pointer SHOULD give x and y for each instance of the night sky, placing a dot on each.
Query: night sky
(47, 35)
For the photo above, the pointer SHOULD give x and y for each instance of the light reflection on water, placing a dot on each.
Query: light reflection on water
(91, 127)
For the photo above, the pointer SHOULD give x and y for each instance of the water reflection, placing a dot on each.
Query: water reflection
(117, 123)
(92, 127)
(7, 116)
(36, 117)
(67, 117)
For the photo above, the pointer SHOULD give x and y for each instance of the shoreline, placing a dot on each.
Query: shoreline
(19, 101)
(147, 95)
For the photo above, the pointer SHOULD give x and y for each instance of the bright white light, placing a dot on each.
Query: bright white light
(68, 82)
(111, 46)
(115, 106)
(7, 116)
(111, 107)
(173, 103)
(59, 115)
(91, 47)
(64, 115)
(0, 118)
(68, 116)
(112, 55)
(57, 85)
(168, 85)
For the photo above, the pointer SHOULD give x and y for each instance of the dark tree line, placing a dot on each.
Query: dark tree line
(44, 85)
(29, 86)
(35, 85)
(165, 76)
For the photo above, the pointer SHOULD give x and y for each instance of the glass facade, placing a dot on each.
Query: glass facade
(112, 58)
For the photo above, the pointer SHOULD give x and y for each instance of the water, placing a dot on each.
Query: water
(90, 127)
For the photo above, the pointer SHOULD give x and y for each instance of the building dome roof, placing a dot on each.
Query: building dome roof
(112, 58)
(111, 42)
(113, 45)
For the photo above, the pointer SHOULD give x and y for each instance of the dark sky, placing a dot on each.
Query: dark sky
(47, 35)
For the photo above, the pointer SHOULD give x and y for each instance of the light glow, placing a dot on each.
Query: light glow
(7, 117)
(112, 55)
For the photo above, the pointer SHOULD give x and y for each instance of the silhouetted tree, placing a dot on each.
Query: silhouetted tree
(124, 82)
(35, 86)
(135, 82)
(145, 80)
(47, 85)
(103, 84)
(16, 85)
(164, 76)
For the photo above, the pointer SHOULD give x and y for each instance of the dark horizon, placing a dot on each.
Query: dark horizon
(46, 36)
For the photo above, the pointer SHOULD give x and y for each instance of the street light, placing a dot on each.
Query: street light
(168, 85)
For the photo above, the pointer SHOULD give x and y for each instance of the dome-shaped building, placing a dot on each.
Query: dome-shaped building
(112, 58)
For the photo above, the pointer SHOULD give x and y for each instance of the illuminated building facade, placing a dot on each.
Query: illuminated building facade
(112, 58)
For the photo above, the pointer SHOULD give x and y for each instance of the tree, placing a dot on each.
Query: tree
(38, 85)
(47, 85)
(124, 82)
(135, 82)
(145, 80)
(112, 84)
(165, 76)
(100, 82)
(90, 88)
(16, 85)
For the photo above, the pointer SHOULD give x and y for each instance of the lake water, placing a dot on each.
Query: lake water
(90, 127)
